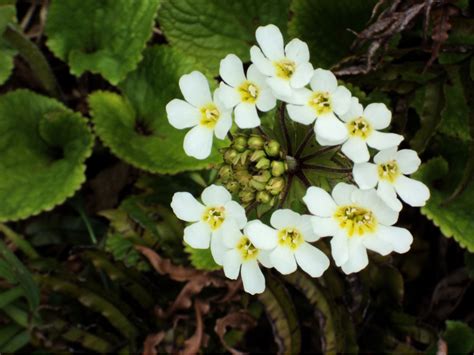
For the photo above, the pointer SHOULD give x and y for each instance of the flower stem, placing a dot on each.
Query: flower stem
(286, 190)
(308, 136)
(327, 168)
(320, 152)
(303, 178)
(284, 129)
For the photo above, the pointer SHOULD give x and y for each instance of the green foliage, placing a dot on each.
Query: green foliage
(135, 126)
(104, 37)
(208, 30)
(324, 25)
(201, 259)
(7, 15)
(44, 164)
(123, 249)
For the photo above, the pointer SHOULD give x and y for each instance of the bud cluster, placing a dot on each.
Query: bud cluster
(254, 169)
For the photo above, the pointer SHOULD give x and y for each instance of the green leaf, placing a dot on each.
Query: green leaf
(208, 30)
(455, 219)
(324, 25)
(123, 249)
(202, 259)
(10, 295)
(135, 126)
(16, 342)
(459, 337)
(104, 37)
(7, 15)
(44, 146)
(6, 61)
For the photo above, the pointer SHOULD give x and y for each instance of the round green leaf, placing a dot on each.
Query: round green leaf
(43, 147)
(104, 37)
(324, 25)
(135, 126)
(208, 30)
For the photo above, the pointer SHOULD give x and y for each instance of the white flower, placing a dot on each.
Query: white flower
(357, 220)
(288, 242)
(321, 103)
(242, 256)
(246, 94)
(286, 68)
(214, 218)
(362, 128)
(388, 173)
(200, 111)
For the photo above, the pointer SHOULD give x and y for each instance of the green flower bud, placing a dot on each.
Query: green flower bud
(240, 143)
(225, 173)
(275, 185)
(257, 155)
(230, 155)
(244, 157)
(233, 187)
(242, 176)
(263, 197)
(246, 196)
(263, 164)
(278, 168)
(257, 185)
(272, 148)
(256, 142)
(263, 176)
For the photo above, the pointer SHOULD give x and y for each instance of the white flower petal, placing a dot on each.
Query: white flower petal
(319, 202)
(365, 175)
(255, 76)
(264, 65)
(195, 89)
(252, 277)
(413, 192)
(374, 243)
(301, 114)
(261, 235)
(281, 87)
(297, 51)
(270, 41)
(341, 100)
(198, 235)
(385, 155)
(223, 124)
(324, 226)
(181, 114)
(342, 193)
(266, 100)
(283, 260)
(302, 75)
(340, 248)
(231, 263)
(228, 95)
(400, 238)
(236, 212)
(264, 258)
(378, 115)
(305, 226)
(198, 142)
(358, 259)
(387, 193)
(356, 150)
(311, 259)
(382, 140)
(323, 80)
(186, 207)
(330, 128)
(355, 110)
(246, 116)
(231, 70)
(327, 142)
(408, 161)
(371, 201)
(231, 237)
(215, 195)
(284, 218)
(218, 249)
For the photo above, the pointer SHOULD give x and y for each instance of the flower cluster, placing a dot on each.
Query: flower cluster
(356, 218)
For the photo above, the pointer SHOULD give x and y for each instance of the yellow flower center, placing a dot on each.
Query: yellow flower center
(290, 237)
(285, 68)
(248, 92)
(389, 171)
(246, 249)
(356, 220)
(209, 115)
(214, 216)
(320, 102)
(359, 127)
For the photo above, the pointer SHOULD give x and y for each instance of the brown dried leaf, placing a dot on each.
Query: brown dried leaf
(193, 344)
(240, 320)
(151, 342)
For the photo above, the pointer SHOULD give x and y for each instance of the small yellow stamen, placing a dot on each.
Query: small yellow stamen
(356, 220)
(320, 102)
(247, 249)
(209, 115)
(214, 216)
(248, 92)
(389, 171)
(285, 68)
(359, 127)
(290, 237)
